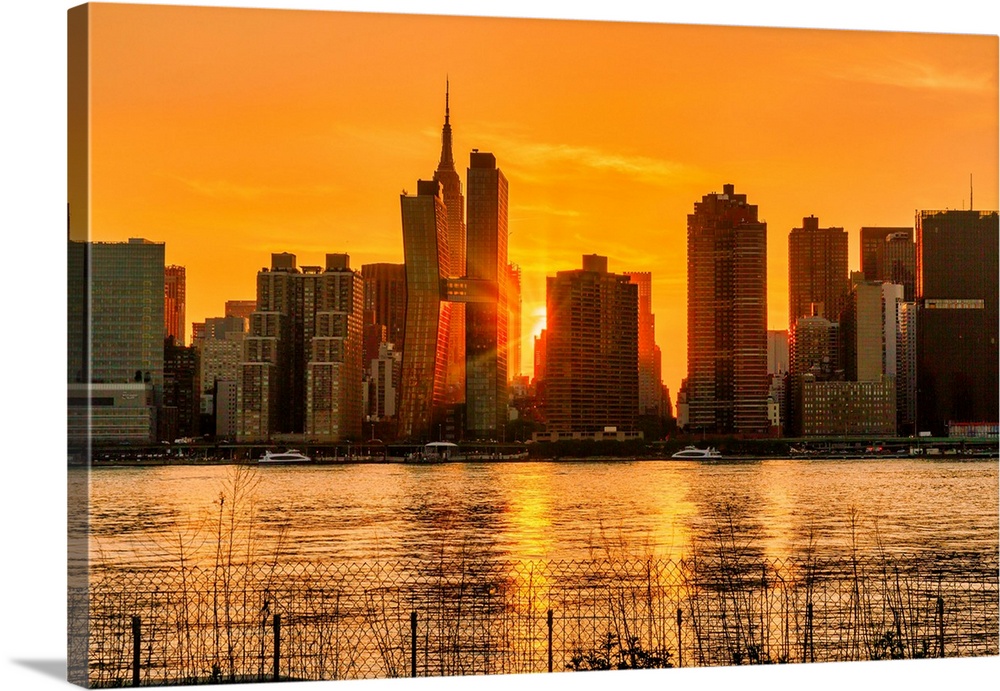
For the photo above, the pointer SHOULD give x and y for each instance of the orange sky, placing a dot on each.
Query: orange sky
(230, 134)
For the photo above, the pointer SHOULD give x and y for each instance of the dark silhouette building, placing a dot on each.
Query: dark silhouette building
(385, 306)
(650, 377)
(727, 315)
(957, 324)
(873, 240)
(181, 409)
(899, 263)
(592, 350)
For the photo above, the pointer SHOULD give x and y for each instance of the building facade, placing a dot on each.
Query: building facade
(899, 263)
(873, 245)
(650, 383)
(302, 367)
(385, 305)
(174, 300)
(425, 356)
(334, 370)
(727, 315)
(126, 312)
(486, 319)
(592, 350)
(847, 408)
(514, 321)
(957, 318)
(817, 271)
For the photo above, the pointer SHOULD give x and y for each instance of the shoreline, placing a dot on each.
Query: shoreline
(160, 462)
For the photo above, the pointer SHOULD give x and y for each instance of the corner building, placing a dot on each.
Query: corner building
(592, 349)
(727, 315)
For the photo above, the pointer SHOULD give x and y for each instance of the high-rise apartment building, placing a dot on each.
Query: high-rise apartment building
(486, 321)
(727, 315)
(650, 383)
(592, 349)
(334, 368)
(514, 305)
(873, 244)
(957, 318)
(428, 316)
(817, 271)
(451, 190)
(174, 299)
(301, 371)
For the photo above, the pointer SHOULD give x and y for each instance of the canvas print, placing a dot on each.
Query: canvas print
(407, 346)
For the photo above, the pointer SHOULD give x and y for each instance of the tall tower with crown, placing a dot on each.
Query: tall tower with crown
(451, 186)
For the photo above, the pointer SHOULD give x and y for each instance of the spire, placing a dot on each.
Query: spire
(447, 162)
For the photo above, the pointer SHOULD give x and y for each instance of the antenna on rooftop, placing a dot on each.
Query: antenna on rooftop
(970, 191)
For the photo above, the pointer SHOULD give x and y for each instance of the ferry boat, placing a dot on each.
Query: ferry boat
(692, 452)
(286, 457)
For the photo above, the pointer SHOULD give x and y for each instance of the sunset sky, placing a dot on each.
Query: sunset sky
(230, 134)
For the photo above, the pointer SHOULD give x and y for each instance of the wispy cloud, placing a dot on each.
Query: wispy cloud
(910, 73)
(540, 160)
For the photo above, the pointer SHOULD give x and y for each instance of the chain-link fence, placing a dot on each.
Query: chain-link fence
(314, 621)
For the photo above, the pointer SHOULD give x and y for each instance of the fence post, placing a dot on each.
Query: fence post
(277, 646)
(680, 650)
(807, 644)
(413, 644)
(136, 645)
(550, 640)
(940, 617)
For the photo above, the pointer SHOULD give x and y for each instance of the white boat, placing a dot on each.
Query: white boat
(290, 456)
(694, 452)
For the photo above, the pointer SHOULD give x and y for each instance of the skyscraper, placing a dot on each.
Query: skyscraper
(817, 271)
(174, 298)
(126, 312)
(727, 315)
(115, 329)
(650, 385)
(486, 321)
(425, 356)
(333, 409)
(451, 187)
(899, 263)
(592, 349)
(957, 318)
(301, 371)
(873, 240)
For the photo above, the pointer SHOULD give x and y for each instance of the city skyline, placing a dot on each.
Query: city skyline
(249, 153)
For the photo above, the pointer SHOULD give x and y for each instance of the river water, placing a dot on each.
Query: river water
(553, 511)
